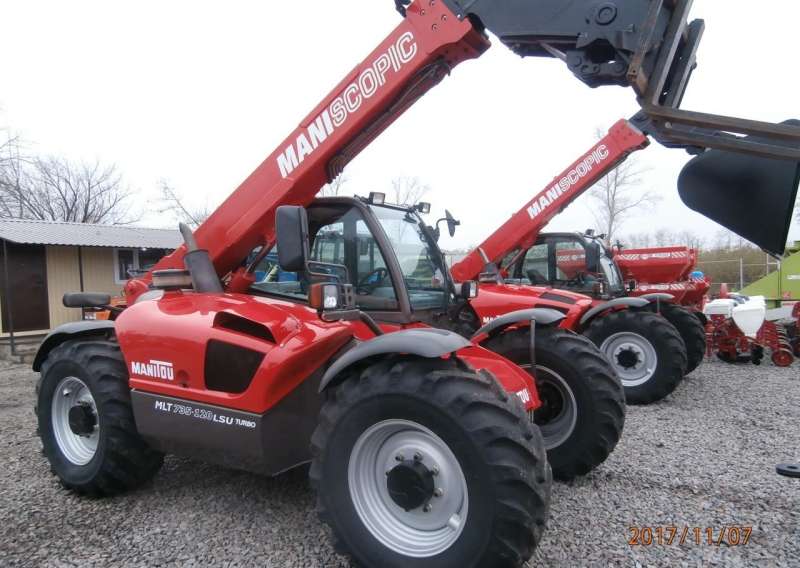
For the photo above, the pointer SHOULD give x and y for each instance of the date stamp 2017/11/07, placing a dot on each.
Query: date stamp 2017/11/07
(728, 535)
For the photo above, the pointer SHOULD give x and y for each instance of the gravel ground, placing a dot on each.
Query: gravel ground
(702, 458)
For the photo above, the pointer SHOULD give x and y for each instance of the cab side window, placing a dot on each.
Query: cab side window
(571, 269)
(342, 250)
(328, 245)
(271, 279)
(570, 260)
(536, 266)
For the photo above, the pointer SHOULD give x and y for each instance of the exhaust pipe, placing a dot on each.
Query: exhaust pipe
(199, 265)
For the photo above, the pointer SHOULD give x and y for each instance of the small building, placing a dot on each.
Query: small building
(41, 260)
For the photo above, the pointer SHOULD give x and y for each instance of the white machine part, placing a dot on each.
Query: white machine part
(748, 316)
(720, 308)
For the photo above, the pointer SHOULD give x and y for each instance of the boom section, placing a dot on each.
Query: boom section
(522, 229)
(416, 56)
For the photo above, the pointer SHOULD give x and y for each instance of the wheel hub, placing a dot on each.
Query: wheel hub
(410, 484)
(634, 357)
(552, 403)
(408, 488)
(558, 415)
(82, 419)
(629, 356)
(75, 421)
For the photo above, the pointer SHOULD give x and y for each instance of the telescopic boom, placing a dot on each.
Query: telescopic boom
(648, 45)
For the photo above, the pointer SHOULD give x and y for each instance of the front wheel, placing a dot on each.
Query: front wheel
(424, 463)
(583, 403)
(646, 351)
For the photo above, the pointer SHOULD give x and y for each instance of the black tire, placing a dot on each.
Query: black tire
(692, 331)
(498, 450)
(598, 396)
(122, 460)
(652, 330)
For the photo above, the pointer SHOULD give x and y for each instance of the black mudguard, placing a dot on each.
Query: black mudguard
(69, 331)
(542, 316)
(424, 342)
(616, 303)
(659, 297)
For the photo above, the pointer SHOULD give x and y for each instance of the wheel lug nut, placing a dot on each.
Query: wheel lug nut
(435, 470)
(417, 457)
(399, 457)
(427, 508)
(438, 493)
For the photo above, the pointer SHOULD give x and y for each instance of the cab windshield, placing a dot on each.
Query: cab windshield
(419, 259)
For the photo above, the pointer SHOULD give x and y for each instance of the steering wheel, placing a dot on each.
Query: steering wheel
(578, 280)
(366, 287)
(536, 277)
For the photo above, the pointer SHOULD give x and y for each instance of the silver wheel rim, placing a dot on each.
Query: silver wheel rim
(633, 357)
(78, 449)
(560, 427)
(417, 533)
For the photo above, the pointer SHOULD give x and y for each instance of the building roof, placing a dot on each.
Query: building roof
(86, 235)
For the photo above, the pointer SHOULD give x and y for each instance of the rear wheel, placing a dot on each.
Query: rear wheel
(692, 332)
(583, 403)
(86, 421)
(646, 351)
(424, 463)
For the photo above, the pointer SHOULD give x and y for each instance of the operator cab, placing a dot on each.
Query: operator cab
(385, 252)
(569, 261)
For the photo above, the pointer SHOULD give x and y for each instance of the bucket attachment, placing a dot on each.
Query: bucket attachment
(752, 195)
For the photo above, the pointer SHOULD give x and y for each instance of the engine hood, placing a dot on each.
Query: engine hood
(495, 300)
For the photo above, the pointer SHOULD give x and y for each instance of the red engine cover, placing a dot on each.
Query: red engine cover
(495, 300)
(164, 343)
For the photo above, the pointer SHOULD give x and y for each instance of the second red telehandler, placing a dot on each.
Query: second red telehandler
(517, 269)
(583, 263)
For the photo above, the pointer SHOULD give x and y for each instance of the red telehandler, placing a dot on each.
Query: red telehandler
(519, 266)
(421, 452)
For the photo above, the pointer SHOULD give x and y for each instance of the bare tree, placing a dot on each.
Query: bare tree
(639, 240)
(13, 164)
(408, 190)
(728, 240)
(54, 189)
(334, 188)
(616, 196)
(690, 239)
(173, 202)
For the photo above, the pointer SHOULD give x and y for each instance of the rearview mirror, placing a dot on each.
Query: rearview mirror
(751, 195)
(451, 223)
(291, 229)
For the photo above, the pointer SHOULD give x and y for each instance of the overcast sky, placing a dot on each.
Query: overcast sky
(200, 93)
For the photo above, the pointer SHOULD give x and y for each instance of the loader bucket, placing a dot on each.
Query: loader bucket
(753, 196)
